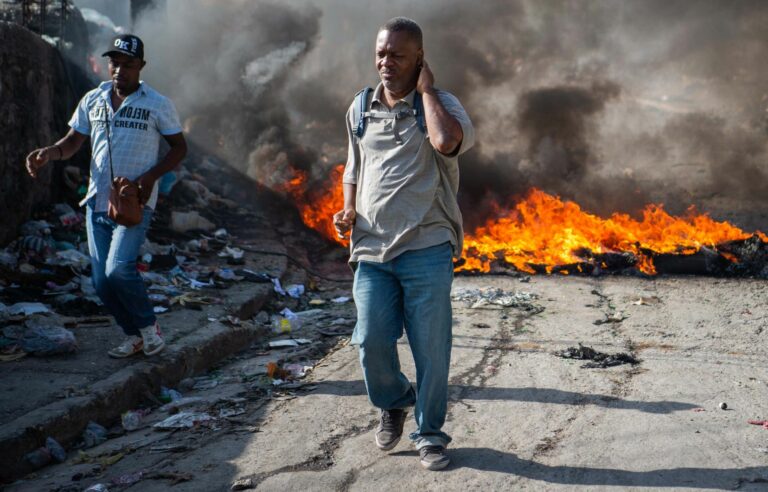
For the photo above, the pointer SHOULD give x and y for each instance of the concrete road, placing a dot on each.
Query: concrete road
(520, 417)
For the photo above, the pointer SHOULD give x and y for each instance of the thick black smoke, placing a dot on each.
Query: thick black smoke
(611, 104)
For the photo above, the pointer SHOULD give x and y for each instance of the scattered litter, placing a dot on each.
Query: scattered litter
(233, 253)
(169, 395)
(187, 221)
(647, 301)
(128, 478)
(94, 434)
(283, 343)
(278, 288)
(228, 274)
(494, 298)
(56, 450)
(252, 276)
(601, 360)
(343, 322)
(27, 308)
(341, 299)
(317, 302)
(99, 487)
(297, 370)
(699, 409)
(131, 419)
(184, 420)
(763, 423)
(295, 290)
(187, 401)
(72, 258)
(480, 325)
(40, 336)
(616, 317)
(243, 484)
(159, 309)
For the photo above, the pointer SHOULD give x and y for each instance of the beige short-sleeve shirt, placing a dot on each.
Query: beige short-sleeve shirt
(406, 190)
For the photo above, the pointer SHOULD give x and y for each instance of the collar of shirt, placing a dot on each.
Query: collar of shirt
(106, 87)
(408, 99)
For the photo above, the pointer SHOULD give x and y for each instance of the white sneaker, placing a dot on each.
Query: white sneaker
(130, 346)
(153, 339)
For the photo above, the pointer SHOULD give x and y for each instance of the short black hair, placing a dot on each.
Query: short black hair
(404, 24)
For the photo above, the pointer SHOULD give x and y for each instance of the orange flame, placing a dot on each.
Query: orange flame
(317, 206)
(544, 230)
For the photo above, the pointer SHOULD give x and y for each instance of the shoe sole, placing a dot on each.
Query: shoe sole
(384, 447)
(123, 356)
(435, 465)
(153, 352)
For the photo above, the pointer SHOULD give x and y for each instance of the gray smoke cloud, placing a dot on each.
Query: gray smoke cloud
(610, 104)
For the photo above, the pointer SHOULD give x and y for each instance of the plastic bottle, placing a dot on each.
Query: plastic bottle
(131, 420)
(56, 450)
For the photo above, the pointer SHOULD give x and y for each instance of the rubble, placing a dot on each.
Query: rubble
(495, 298)
(600, 359)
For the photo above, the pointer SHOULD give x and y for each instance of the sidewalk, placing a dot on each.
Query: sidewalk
(57, 396)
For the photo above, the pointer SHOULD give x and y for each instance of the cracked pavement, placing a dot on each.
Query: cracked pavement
(519, 416)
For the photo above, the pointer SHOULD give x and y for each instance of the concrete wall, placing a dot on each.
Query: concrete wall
(36, 100)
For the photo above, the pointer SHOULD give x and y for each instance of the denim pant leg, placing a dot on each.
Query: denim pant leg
(116, 278)
(99, 229)
(426, 276)
(379, 301)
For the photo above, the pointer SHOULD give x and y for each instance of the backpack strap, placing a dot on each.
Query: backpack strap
(418, 111)
(358, 111)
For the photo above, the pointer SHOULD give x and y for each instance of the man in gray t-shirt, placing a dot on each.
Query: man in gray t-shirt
(400, 186)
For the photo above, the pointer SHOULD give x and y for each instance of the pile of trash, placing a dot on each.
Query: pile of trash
(495, 298)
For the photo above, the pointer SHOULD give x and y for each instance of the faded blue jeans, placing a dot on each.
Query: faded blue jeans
(411, 292)
(114, 249)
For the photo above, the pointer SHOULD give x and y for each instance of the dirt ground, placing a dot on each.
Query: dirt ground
(520, 417)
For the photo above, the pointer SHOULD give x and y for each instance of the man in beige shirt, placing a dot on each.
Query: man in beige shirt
(400, 186)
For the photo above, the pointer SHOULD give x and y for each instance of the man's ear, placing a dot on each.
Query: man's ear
(143, 63)
(420, 58)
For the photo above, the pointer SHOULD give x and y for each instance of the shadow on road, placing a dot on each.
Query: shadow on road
(486, 459)
(540, 395)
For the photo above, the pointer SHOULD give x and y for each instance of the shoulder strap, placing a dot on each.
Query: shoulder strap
(418, 111)
(109, 142)
(358, 108)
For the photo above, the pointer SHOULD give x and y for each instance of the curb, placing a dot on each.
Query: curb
(127, 388)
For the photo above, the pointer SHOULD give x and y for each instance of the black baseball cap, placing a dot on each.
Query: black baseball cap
(127, 44)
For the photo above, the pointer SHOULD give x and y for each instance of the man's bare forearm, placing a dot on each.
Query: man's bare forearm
(68, 145)
(445, 132)
(350, 191)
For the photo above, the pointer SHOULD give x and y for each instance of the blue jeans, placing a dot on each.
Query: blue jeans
(411, 292)
(114, 249)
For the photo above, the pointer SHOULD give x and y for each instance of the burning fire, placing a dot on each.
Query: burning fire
(543, 231)
(318, 205)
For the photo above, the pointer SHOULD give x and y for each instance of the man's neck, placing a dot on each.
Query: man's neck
(122, 94)
(391, 98)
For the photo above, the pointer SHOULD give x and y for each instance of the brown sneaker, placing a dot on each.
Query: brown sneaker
(130, 346)
(390, 428)
(434, 457)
